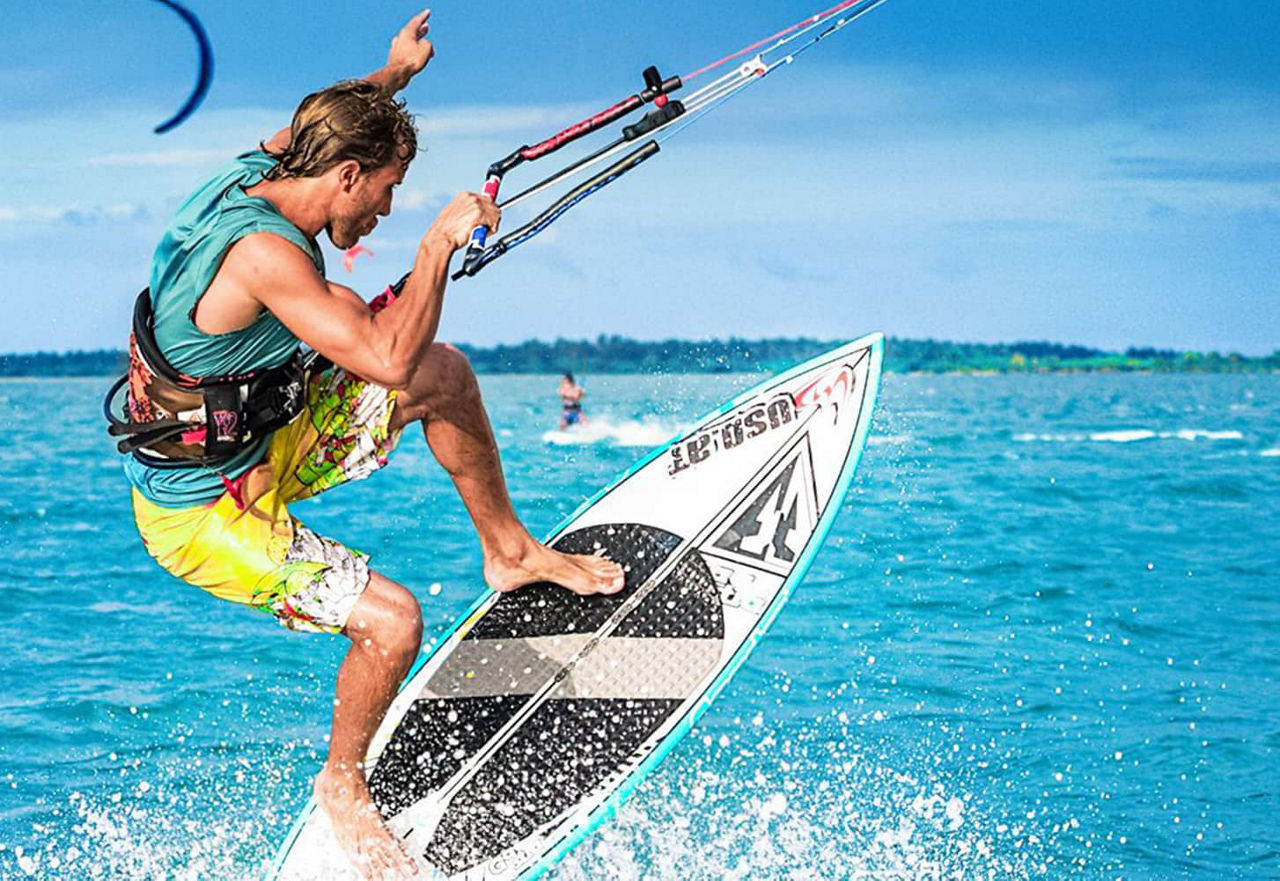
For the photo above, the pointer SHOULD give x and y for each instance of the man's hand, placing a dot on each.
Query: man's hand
(410, 51)
(453, 225)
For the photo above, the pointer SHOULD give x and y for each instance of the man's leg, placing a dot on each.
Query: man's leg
(385, 629)
(445, 397)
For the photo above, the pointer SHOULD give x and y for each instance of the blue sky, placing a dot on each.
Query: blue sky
(1084, 171)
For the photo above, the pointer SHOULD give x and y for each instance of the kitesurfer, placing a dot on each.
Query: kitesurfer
(571, 395)
(228, 426)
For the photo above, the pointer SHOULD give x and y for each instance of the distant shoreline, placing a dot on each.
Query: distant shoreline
(619, 355)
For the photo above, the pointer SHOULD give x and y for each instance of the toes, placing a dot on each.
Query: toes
(610, 574)
(606, 576)
(604, 584)
(614, 580)
(391, 863)
(600, 565)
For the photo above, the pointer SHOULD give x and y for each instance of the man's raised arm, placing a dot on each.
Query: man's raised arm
(409, 53)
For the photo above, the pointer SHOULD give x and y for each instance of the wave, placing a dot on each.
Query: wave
(602, 429)
(1271, 453)
(108, 607)
(879, 440)
(1131, 435)
(1193, 434)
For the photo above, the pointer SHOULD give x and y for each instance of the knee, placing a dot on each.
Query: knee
(451, 372)
(404, 630)
(443, 383)
(390, 624)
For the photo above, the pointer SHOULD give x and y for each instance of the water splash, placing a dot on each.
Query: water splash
(813, 805)
(817, 800)
(122, 836)
(603, 429)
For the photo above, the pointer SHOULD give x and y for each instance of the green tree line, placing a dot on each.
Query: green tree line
(617, 354)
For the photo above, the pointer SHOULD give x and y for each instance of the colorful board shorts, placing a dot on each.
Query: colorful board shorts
(247, 548)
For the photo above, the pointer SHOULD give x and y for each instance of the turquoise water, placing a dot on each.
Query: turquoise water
(1040, 642)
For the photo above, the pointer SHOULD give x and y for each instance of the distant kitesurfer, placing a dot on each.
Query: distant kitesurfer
(229, 423)
(571, 395)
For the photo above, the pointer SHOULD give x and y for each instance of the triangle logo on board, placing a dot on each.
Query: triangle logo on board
(771, 527)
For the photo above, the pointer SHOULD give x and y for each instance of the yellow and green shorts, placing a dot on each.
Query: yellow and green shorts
(247, 548)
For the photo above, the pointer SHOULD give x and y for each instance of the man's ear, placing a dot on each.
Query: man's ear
(348, 174)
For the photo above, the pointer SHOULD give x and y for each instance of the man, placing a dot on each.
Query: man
(236, 283)
(571, 395)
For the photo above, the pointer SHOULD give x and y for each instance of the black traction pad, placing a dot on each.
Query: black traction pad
(557, 757)
(569, 745)
(544, 609)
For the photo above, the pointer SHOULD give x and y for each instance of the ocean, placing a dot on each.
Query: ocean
(1040, 642)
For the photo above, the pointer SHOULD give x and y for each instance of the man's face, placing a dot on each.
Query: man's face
(360, 205)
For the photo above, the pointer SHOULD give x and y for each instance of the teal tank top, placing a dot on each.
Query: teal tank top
(217, 215)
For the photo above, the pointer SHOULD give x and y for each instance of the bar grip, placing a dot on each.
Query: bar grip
(479, 235)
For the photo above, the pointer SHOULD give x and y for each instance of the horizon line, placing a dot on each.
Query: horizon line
(731, 340)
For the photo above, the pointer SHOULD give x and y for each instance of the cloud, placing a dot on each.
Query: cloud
(75, 214)
(420, 200)
(982, 204)
(162, 158)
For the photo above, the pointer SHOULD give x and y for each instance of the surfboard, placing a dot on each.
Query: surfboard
(540, 712)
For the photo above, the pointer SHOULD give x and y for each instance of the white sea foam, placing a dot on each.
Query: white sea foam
(1271, 453)
(880, 440)
(109, 607)
(1130, 435)
(1124, 436)
(1191, 434)
(1030, 437)
(604, 430)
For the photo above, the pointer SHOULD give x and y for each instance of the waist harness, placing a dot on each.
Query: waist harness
(178, 421)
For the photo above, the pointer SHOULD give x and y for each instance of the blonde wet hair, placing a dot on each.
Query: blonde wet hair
(350, 120)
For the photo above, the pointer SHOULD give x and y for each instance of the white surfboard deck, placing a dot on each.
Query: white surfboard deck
(541, 711)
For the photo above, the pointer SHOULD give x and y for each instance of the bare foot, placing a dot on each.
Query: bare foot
(374, 852)
(581, 573)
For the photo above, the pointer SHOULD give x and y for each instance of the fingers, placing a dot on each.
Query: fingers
(490, 214)
(463, 214)
(483, 211)
(419, 24)
(410, 50)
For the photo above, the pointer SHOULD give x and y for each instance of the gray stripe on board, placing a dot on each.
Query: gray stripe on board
(618, 667)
